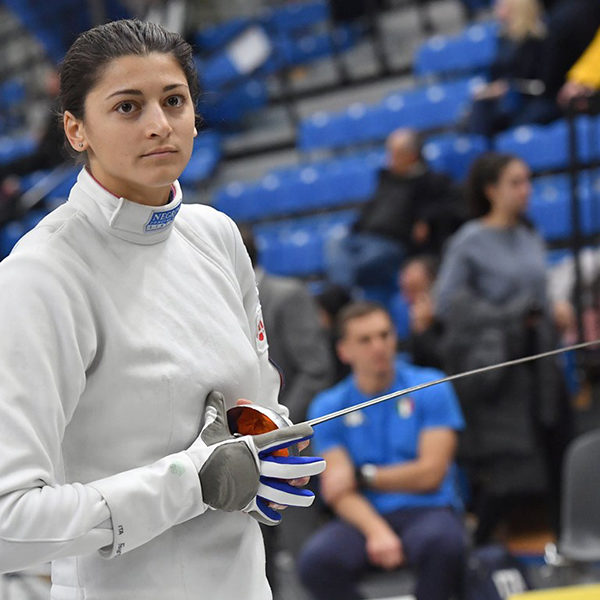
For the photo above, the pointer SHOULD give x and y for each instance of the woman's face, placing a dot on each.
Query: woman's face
(510, 194)
(138, 128)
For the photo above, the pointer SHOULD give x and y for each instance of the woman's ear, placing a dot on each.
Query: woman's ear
(74, 131)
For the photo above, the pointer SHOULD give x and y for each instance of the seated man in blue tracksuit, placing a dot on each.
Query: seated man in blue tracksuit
(390, 475)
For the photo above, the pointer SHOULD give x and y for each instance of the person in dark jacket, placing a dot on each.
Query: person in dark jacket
(416, 281)
(516, 93)
(572, 25)
(414, 210)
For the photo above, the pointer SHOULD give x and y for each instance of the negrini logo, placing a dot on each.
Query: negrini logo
(160, 220)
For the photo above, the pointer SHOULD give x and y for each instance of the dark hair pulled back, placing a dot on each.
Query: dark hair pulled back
(94, 49)
(486, 170)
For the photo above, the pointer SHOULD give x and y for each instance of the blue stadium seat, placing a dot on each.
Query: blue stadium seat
(588, 138)
(453, 153)
(12, 148)
(303, 188)
(306, 188)
(229, 108)
(299, 51)
(430, 107)
(9, 236)
(589, 202)
(32, 218)
(550, 207)
(296, 15)
(238, 200)
(321, 130)
(212, 38)
(217, 71)
(540, 146)
(472, 50)
(297, 247)
(205, 157)
(12, 92)
(551, 215)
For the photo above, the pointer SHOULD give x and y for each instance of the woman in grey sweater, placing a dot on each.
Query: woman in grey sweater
(491, 297)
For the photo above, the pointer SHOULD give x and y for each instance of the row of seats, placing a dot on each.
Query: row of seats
(205, 158)
(296, 246)
(289, 18)
(473, 49)
(12, 92)
(341, 180)
(546, 147)
(54, 23)
(12, 148)
(284, 51)
(550, 205)
(423, 108)
(278, 38)
(302, 189)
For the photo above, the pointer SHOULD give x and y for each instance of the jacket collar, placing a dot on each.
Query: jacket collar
(130, 221)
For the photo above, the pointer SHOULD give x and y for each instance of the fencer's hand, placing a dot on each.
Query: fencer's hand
(301, 446)
(238, 473)
(384, 548)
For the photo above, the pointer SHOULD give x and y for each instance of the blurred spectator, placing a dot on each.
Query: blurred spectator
(50, 139)
(390, 473)
(297, 344)
(298, 347)
(583, 79)
(491, 297)
(49, 154)
(562, 291)
(572, 25)
(416, 280)
(413, 210)
(329, 303)
(515, 95)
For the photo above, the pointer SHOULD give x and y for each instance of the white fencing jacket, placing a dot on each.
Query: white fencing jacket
(116, 320)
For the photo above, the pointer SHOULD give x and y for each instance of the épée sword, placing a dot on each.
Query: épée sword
(422, 386)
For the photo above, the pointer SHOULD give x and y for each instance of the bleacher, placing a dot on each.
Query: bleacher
(295, 208)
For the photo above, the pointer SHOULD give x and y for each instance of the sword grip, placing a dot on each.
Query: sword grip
(252, 419)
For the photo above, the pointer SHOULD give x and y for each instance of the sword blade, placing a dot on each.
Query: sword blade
(422, 386)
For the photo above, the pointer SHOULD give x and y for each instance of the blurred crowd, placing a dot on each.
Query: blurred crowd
(463, 279)
(478, 296)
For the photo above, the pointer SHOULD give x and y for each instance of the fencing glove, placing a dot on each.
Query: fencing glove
(238, 473)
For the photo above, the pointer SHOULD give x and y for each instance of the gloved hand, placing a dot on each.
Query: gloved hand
(237, 473)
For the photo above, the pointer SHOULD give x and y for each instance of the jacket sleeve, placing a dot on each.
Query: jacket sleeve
(453, 277)
(585, 70)
(47, 343)
(269, 375)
